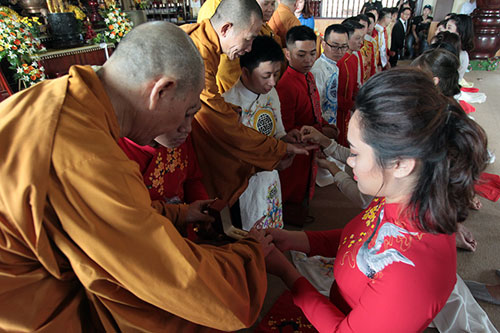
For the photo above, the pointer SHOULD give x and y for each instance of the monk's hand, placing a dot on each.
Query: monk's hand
(293, 136)
(198, 212)
(265, 240)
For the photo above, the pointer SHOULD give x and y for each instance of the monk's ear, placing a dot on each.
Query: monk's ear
(226, 28)
(160, 89)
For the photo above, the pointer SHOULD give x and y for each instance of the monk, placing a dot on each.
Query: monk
(229, 153)
(284, 19)
(348, 79)
(229, 71)
(82, 249)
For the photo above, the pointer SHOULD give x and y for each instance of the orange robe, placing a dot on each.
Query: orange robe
(228, 151)
(81, 248)
(347, 91)
(282, 20)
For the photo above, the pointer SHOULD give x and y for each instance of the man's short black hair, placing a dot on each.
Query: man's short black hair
(264, 48)
(337, 28)
(363, 17)
(352, 25)
(383, 13)
(299, 33)
(370, 15)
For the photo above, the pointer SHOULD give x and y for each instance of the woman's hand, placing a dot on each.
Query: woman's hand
(277, 264)
(310, 134)
(286, 240)
(265, 239)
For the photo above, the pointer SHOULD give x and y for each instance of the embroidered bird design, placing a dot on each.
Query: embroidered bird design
(370, 262)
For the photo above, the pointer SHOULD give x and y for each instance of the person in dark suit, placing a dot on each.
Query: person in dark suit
(399, 33)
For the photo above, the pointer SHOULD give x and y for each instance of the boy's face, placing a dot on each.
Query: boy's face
(301, 55)
(263, 78)
(356, 40)
(384, 21)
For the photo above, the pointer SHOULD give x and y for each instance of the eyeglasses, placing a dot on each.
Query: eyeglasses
(336, 47)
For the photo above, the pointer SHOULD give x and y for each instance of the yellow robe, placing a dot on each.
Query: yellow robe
(81, 248)
(282, 20)
(228, 152)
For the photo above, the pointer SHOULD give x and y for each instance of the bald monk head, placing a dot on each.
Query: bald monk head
(268, 7)
(154, 80)
(290, 4)
(237, 23)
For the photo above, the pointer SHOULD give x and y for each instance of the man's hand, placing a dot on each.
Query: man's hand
(292, 137)
(197, 212)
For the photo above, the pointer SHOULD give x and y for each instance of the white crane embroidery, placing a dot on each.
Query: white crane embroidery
(369, 261)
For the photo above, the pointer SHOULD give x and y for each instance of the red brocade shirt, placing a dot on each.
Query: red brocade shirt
(171, 175)
(389, 276)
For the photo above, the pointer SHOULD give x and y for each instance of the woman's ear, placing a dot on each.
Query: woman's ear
(404, 167)
(436, 80)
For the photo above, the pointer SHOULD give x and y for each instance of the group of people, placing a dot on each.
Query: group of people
(109, 175)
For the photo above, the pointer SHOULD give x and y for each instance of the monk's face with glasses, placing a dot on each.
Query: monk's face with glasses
(335, 45)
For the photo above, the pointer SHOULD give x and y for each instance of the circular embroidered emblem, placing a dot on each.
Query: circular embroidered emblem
(264, 122)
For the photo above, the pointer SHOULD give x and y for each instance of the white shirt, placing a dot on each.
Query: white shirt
(404, 24)
(263, 194)
(381, 45)
(468, 8)
(326, 75)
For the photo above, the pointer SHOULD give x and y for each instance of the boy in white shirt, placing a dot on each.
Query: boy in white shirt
(260, 109)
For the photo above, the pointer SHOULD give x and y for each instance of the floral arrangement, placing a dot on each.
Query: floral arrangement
(117, 26)
(18, 45)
